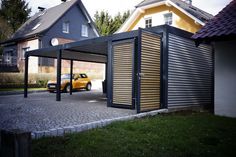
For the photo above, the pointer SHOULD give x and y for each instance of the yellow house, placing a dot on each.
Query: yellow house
(177, 13)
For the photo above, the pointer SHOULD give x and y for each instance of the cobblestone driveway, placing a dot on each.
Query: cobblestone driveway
(40, 111)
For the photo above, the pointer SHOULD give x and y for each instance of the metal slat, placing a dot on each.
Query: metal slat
(190, 73)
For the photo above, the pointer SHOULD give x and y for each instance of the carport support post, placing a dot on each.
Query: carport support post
(26, 76)
(59, 75)
(71, 76)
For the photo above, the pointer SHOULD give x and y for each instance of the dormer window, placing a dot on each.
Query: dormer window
(84, 31)
(36, 26)
(148, 22)
(66, 27)
(168, 18)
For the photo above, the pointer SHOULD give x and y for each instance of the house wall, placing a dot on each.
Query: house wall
(180, 20)
(225, 78)
(76, 18)
(13, 50)
(33, 61)
(93, 70)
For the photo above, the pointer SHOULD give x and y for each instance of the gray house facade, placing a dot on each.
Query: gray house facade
(61, 24)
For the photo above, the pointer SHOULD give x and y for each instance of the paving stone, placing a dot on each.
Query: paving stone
(78, 128)
(68, 129)
(60, 131)
(53, 132)
(47, 133)
(39, 134)
(41, 112)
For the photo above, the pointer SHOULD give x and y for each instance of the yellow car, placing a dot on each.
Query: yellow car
(79, 81)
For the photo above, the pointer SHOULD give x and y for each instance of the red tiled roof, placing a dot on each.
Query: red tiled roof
(223, 24)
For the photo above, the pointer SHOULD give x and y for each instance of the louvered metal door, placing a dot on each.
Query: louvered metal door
(149, 71)
(122, 74)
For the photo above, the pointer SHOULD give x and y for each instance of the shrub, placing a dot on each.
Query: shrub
(42, 83)
(16, 80)
(20, 85)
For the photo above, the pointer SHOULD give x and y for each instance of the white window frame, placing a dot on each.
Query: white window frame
(168, 18)
(148, 22)
(84, 31)
(66, 27)
(8, 57)
(25, 49)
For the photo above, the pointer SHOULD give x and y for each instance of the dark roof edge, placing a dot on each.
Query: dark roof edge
(214, 38)
(22, 38)
(84, 10)
(38, 34)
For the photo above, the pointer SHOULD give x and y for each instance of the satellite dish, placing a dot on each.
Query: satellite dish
(54, 42)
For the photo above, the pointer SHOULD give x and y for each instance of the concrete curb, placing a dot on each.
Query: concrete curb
(88, 126)
(3, 93)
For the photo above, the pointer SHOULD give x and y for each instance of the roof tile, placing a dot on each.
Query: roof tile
(224, 23)
(45, 18)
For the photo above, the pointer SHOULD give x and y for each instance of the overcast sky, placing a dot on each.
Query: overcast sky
(115, 6)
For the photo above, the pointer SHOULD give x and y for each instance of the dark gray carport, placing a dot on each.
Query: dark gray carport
(91, 50)
(185, 72)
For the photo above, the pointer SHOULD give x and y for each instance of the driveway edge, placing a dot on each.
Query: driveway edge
(88, 126)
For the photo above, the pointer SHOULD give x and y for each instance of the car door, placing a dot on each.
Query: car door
(76, 83)
(83, 80)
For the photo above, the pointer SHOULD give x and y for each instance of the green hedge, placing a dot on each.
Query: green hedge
(14, 85)
(18, 78)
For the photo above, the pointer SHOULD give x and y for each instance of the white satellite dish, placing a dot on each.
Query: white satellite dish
(54, 42)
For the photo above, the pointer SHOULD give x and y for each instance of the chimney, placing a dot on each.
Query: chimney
(41, 8)
(188, 2)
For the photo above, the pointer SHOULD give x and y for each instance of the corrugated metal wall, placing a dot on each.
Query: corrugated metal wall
(150, 71)
(190, 73)
(122, 73)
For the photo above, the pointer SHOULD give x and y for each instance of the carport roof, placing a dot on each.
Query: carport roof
(91, 50)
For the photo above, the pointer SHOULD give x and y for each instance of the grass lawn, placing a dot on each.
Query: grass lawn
(20, 89)
(173, 135)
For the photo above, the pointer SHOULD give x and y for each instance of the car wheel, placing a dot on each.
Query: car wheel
(67, 88)
(88, 87)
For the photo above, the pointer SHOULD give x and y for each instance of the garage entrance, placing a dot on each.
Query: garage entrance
(78, 51)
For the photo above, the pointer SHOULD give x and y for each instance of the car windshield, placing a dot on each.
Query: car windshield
(83, 76)
(65, 76)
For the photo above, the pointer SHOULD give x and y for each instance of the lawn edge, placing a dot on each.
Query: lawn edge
(92, 125)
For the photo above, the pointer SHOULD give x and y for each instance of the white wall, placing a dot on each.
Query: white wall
(33, 61)
(225, 78)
